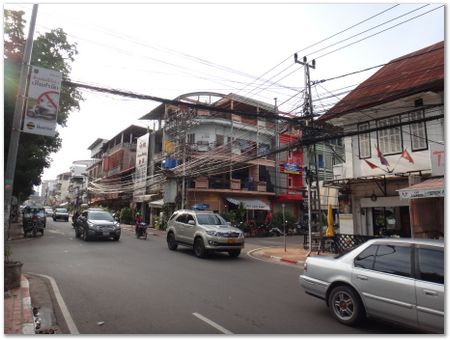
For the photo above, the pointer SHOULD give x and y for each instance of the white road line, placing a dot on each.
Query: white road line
(62, 305)
(212, 323)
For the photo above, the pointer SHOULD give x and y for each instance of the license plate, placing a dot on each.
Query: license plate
(106, 233)
(231, 241)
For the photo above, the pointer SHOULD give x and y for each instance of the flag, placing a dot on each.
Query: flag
(381, 157)
(406, 155)
(372, 166)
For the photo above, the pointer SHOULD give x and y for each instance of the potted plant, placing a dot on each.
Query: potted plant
(13, 270)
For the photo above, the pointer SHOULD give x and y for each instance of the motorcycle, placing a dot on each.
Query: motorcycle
(141, 230)
(33, 221)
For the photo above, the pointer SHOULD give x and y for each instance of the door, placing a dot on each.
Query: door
(430, 289)
(189, 228)
(180, 227)
(383, 275)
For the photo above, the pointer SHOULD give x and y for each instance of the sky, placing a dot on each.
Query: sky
(166, 50)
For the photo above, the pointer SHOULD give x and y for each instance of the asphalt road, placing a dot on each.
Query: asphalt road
(140, 287)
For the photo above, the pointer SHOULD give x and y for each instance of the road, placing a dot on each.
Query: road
(140, 287)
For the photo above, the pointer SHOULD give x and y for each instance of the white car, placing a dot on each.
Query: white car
(204, 231)
(398, 280)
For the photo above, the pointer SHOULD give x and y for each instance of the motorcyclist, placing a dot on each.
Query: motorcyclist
(138, 220)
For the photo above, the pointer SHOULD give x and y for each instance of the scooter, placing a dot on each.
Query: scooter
(141, 230)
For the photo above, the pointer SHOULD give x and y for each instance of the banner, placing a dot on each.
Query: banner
(140, 174)
(292, 168)
(42, 102)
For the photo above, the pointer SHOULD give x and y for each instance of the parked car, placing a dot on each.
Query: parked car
(48, 211)
(398, 280)
(95, 224)
(204, 231)
(61, 214)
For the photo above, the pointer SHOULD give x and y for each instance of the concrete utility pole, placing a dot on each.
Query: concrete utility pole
(308, 110)
(17, 123)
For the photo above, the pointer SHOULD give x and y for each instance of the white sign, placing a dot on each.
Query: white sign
(421, 193)
(140, 174)
(42, 101)
(437, 156)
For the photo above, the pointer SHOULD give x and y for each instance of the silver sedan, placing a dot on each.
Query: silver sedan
(398, 280)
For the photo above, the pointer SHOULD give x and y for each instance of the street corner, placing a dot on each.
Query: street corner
(295, 256)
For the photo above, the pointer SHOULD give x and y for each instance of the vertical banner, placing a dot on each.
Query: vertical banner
(42, 101)
(140, 174)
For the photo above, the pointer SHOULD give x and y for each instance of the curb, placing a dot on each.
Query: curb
(282, 259)
(28, 326)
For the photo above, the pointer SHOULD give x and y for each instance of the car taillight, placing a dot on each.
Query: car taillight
(305, 266)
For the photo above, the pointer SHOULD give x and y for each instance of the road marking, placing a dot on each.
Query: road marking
(212, 323)
(62, 305)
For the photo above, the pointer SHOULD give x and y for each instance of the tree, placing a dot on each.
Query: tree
(50, 50)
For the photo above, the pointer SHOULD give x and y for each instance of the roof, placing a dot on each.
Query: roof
(417, 72)
(216, 99)
(432, 187)
(97, 142)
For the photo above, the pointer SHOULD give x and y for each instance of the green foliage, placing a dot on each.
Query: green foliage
(126, 216)
(167, 210)
(277, 220)
(50, 50)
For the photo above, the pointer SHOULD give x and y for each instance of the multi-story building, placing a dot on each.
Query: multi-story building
(217, 155)
(48, 189)
(62, 197)
(78, 182)
(111, 184)
(395, 139)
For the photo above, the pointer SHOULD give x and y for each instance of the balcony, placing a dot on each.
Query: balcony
(235, 184)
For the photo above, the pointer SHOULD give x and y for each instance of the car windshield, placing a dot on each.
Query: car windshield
(210, 219)
(61, 210)
(100, 215)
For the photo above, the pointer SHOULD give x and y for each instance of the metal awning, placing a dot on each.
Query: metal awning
(156, 204)
(249, 203)
(433, 187)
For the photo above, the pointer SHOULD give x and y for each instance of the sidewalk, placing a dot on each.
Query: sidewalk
(293, 255)
(18, 313)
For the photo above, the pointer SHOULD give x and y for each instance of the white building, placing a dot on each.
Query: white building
(407, 94)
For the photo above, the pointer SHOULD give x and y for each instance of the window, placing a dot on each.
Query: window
(191, 138)
(390, 140)
(182, 218)
(431, 265)
(393, 260)
(364, 141)
(320, 161)
(290, 182)
(189, 218)
(219, 140)
(418, 131)
(366, 258)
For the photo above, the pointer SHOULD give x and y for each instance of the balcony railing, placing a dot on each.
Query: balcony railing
(233, 184)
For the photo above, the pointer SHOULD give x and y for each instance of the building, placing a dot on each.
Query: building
(394, 122)
(62, 197)
(78, 182)
(48, 190)
(111, 172)
(216, 155)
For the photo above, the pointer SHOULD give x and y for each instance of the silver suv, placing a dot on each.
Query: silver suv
(205, 231)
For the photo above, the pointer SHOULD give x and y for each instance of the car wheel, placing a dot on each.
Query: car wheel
(42, 232)
(199, 248)
(171, 242)
(54, 219)
(77, 233)
(234, 252)
(345, 305)
(116, 238)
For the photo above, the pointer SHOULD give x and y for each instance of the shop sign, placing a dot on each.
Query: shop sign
(437, 156)
(292, 168)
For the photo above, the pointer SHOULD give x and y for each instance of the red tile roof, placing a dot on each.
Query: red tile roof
(422, 70)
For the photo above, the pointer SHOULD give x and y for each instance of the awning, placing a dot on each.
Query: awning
(156, 204)
(249, 203)
(433, 187)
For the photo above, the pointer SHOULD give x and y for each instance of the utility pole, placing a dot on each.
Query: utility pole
(308, 111)
(17, 123)
(277, 146)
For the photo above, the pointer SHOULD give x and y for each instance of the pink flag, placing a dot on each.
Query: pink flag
(381, 157)
(372, 166)
(406, 155)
